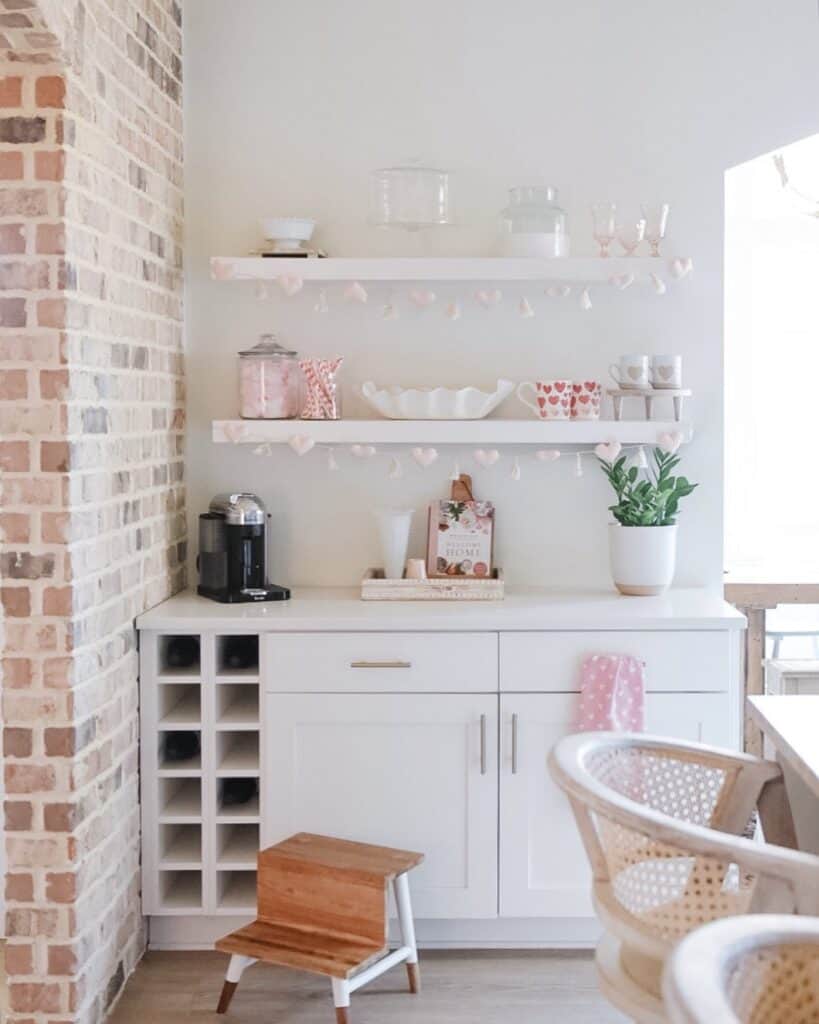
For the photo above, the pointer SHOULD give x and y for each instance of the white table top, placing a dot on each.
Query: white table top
(791, 723)
(329, 609)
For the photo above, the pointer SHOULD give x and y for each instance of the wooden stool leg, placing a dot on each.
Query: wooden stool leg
(407, 925)
(236, 968)
(341, 998)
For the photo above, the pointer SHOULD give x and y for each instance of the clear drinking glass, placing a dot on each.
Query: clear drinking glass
(631, 234)
(656, 215)
(411, 197)
(605, 225)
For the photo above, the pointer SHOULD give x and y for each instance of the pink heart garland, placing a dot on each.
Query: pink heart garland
(290, 284)
(670, 442)
(424, 456)
(608, 452)
(234, 431)
(300, 443)
(486, 458)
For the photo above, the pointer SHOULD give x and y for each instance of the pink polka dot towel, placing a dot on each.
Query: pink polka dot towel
(612, 693)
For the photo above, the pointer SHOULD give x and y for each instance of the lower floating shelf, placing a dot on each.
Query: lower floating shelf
(463, 432)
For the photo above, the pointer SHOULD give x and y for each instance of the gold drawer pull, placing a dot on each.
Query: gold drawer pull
(380, 664)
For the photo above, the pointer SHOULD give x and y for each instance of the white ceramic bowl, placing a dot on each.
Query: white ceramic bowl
(397, 403)
(294, 229)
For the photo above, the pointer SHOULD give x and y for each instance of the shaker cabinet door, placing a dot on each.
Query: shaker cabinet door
(543, 866)
(408, 770)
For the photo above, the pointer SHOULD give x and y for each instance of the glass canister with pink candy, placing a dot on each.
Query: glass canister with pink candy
(269, 381)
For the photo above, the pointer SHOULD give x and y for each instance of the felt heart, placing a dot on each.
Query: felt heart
(670, 442)
(488, 298)
(290, 283)
(424, 456)
(362, 451)
(300, 443)
(608, 452)
(355, 292)
(635, 372)
(541, 401)
(234, 431)
(679, 268)
(666, 372)
(547, 455)
(422, 297)
(221, 270)
(486, 458)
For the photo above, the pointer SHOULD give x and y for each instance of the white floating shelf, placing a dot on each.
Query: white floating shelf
(573, 269)
(462, 432)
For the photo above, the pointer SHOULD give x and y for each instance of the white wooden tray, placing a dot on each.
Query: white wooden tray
(456, 588)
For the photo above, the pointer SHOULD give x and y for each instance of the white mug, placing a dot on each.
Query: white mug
(631, 372)
(666, 371)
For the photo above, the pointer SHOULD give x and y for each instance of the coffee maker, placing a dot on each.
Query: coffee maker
(232, 560)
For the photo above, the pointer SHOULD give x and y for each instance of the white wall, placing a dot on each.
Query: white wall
(291, 105)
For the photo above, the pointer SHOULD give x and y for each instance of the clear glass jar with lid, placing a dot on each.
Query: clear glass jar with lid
(269, 381)
(534, 224)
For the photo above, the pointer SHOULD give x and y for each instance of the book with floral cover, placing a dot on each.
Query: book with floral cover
(460, 538)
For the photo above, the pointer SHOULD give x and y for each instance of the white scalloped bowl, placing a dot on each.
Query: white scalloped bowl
(397, 403)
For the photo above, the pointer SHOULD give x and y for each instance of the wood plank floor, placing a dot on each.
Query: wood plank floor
(457, 987)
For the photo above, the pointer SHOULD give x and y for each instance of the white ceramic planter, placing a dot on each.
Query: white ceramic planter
(642, 558)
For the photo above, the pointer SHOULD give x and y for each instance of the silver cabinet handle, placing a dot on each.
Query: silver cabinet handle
(380, 664)
(483, 744)
(514, 744)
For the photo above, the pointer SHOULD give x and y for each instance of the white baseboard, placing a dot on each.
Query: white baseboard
(196, 933)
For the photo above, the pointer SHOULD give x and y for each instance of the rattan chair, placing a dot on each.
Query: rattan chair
(757, 969)
(663, 824)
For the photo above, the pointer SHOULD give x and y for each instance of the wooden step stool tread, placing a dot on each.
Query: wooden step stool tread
(337, 956)
(342, 855)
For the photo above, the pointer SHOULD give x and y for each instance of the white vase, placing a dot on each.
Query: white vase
(393, 531)
(642, 558)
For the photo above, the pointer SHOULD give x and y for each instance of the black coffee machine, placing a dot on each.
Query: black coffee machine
(232, 558)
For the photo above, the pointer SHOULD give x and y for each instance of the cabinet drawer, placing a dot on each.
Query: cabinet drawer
(380, 662)
(675, 662)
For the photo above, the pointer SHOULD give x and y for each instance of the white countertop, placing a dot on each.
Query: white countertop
(341, 609)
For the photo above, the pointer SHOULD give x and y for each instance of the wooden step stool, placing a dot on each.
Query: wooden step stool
(322, 906)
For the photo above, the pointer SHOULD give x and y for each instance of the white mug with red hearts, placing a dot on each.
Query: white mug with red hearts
(631, 372)
(666, 371)
(552, 398)
(586, 398)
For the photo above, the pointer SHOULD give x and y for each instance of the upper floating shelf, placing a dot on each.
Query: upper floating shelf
(572, 270)
(463, 432)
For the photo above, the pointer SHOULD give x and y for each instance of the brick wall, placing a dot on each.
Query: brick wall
(91, 429)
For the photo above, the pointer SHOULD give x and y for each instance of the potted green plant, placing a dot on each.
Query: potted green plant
(643, 538)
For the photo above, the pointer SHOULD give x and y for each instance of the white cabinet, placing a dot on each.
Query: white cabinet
(543, 868)
(416, 771)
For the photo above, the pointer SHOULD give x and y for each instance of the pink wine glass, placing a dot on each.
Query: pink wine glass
(605, 225)
(656, 215)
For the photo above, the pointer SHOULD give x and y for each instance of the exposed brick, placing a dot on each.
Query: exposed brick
(11, 166)
(14, 526)
(12, 236)
(19, 815)
(12, 312)
(14, 458)
(51, 312)
(29, 778)
(50, 91)
(13, 383)
(22, 129)
(19, 955)
(55, 456)
(19, 888)
(60, 817)
(35, 997)
(11, 91)
(61, 887)
(16, 601)
(62, 960)
(17, 742)
(57, 601)
(49, 166)
(50, 239)
(54, 383)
